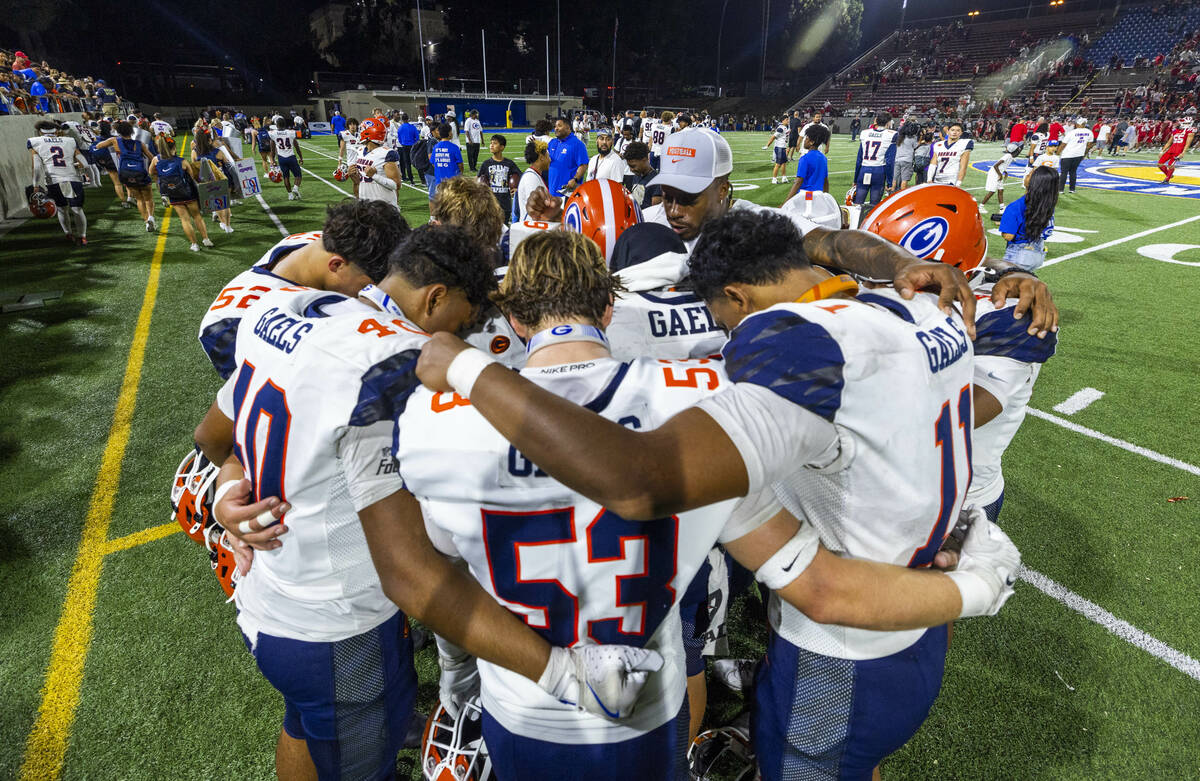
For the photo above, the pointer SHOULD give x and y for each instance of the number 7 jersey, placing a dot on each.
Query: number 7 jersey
(575, 572)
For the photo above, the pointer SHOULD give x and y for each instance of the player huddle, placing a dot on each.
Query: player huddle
(560, 519)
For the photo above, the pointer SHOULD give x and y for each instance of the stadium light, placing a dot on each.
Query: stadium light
(973, 13)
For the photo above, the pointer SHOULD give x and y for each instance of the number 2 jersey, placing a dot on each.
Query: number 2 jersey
(891, 381)
(575, 572)
(320, 380)
(57, 156)
(218, 327)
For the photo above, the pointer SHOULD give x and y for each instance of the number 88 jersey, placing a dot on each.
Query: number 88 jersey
(575, 572)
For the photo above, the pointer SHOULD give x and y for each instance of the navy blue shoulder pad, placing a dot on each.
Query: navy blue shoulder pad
(791, 356)
(219, 341)
(385, 388)
(998, 334)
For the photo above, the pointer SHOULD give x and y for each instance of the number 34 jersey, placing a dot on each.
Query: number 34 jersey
(894, 379)
(319, 382)
(575, 572)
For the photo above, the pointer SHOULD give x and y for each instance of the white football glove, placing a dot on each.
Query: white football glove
(459, 680)
(987, 568)
(604, 680)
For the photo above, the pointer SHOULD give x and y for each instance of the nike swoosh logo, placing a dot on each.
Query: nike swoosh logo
(789, 566)
(1011, 579)
(994, 377)
(600, 702)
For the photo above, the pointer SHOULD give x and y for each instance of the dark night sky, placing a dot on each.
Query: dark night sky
(270, 37)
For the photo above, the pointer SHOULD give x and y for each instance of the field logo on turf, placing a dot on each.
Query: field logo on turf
(1131, 176)
(926, 236)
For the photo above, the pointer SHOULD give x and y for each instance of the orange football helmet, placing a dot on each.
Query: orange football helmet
(275, 175)
(933, 221)
(192, 494)
(220, 558)
(41, 206)
(372, 130)
(342, 173)
(600, 209)
(453, 749)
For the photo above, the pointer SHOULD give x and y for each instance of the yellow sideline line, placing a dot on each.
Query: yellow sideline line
(47, 744)
(141, 538)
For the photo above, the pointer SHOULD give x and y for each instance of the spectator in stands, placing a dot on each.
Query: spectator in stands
(109, 99)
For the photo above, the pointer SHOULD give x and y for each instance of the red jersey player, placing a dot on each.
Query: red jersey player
(1178, 142)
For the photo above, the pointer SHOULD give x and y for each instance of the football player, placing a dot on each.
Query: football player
(791, 420)
(1178, 141)
(658, 137)
(286, 154)
(56, 166)
(996, 174)
(951, 158)
(1007, 358)
(551, 554)
(349, 149)
(377, 166)
(876, 161)
(779, 141)
(321, 380)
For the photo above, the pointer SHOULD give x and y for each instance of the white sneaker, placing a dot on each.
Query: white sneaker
(983, 209)
(737, 674)
(206, 242)
(291, 196)
(296, 192)
(774, 180)
(195, 247)
(149, 226)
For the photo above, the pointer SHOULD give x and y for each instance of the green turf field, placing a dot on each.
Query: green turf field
(148, 677)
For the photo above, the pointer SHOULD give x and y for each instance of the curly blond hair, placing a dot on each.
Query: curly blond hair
(469, 203)
(557, 274)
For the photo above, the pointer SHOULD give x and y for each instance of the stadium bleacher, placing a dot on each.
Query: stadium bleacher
(1144, 31)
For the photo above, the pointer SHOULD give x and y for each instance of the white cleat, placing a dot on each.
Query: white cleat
(195, 247)
(206, 241)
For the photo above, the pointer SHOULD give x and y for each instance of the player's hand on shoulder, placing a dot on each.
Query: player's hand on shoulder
(949, 283)
(1033, 297)
(436, 356)
(256, 524)
(604, 680)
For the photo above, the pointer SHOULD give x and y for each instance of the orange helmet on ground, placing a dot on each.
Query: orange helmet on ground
(453, 749)
(192, 494)
(372, 130)
(275, 175)
(933, 221)
(600, 209)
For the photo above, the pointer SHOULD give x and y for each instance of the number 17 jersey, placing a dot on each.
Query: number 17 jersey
(575, 572)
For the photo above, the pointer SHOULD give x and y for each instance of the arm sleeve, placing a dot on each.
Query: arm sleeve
(773, 435)
(751, 511)
(225, 398)
(365, 457)
(858, 162)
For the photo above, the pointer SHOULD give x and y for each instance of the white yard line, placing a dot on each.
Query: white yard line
(1122, 629)
(1115, 242)
(1079, 400)
(278, 224)
(320, 178)
(339, 189)
(1128, 446)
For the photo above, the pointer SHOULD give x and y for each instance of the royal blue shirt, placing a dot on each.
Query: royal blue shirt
(1013, 221)
(565, 158)
(447, 161)
(813, 168)
(338, 123)
(406, 134)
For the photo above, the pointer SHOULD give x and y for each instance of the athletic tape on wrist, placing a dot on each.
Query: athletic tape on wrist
(977, 596)
(465, 369)
(786, 564)
(219, 494)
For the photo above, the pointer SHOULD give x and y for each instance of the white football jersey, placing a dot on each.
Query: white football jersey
(319, 383)
(658, 136)
(285, 142)
(894, 379)
(874, 144)
(945, 161)
(1007, 362)
(353, 148)
(663, 324)
(574, 572)
(218, 327)
(57, 155)
(368, 188)
(1043, 160)
(781, 136)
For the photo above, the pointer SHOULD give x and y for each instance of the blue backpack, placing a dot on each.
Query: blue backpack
(131, 157)
(264, 139)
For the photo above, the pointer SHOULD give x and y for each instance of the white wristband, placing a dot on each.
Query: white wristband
(977, 595)
(219, 494)
(786, 564)
(465, 369)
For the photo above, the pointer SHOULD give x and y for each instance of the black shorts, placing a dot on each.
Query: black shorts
(104, 160)
(66, 193)
(793, 138)
(134, 178)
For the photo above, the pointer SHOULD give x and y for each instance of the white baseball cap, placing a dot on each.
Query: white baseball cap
(692, 158)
